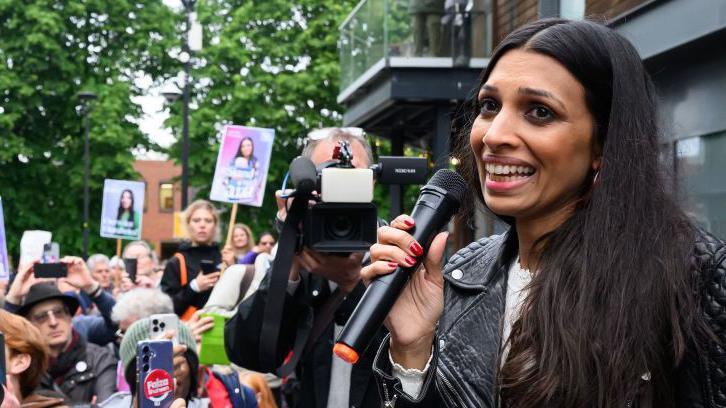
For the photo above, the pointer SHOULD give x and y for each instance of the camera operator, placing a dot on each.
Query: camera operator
(324, 381)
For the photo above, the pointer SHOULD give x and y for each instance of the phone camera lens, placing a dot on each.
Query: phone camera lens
(146, 359)
(155, 321)
(162, 325)
(146, 367)
(145, 349)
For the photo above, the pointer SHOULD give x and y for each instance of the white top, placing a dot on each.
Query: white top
(517, 281)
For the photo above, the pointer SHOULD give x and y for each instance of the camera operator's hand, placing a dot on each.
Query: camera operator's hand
(344, 271)
(78, 274)
(206, 281)
(281, 208)
(412, 320)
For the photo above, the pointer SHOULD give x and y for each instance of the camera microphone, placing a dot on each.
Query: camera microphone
(436, 204)
(303, 175)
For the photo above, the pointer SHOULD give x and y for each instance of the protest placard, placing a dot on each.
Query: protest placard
(123, 209)
(242, 164)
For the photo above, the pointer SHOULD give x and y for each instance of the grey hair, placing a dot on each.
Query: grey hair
(146, 246)
(336, 135)
(95, 259)
(140, 303)
(116, 262)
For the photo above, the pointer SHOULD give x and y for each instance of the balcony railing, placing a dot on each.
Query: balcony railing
(377, 30)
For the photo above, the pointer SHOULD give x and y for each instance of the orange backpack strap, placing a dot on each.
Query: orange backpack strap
(184, 280)
(182, 268)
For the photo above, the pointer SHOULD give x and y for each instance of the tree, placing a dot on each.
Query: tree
(51, 50)
(266, 63)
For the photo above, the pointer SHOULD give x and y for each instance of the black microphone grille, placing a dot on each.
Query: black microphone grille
(450, 181)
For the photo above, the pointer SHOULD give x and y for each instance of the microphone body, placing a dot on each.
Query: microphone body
(433, 210)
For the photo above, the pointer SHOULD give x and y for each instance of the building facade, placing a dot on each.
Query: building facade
(162, 199)
(412, 99)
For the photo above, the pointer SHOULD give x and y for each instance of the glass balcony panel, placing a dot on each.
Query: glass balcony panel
(424, 29)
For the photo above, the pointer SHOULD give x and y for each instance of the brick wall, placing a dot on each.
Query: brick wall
(158, 226)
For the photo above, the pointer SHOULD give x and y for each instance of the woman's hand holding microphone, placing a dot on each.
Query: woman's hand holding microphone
(412, 320)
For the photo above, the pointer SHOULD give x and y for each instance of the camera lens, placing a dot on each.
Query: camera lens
(146, 359)
(162, 325)
(341, 227)
(146, 367)
(145, 349)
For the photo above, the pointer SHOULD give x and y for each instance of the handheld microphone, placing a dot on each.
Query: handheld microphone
(436, 204)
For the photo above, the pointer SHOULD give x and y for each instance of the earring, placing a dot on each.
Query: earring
(594, 179)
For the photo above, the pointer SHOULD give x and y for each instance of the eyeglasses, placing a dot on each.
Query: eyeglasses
(320, 134)
(58, 313)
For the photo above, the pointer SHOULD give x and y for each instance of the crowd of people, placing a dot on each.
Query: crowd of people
(73, 340)
(602, 292)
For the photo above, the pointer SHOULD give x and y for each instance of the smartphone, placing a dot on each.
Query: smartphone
(208, 266)
(51, 253)
(130, 264)
(50, 270)
(155, 373)
(161, 323)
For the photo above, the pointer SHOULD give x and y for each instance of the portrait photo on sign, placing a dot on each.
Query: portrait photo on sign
(242, 163)
(123, 208)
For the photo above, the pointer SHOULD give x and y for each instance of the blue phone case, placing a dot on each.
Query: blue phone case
(155, 369)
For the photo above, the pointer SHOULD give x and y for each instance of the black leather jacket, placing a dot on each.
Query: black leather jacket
(467, 345)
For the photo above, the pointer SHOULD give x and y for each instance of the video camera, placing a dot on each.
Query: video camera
(344, 218)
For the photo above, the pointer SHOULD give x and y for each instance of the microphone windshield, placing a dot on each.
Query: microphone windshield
(450, 181)
(303, 174)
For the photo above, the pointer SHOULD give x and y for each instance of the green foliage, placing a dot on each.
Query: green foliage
(266, 63)
(51, 50)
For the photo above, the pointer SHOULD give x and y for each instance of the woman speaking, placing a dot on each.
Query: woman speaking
(602, 293)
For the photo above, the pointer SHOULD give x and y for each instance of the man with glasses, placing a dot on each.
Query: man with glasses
(325, 381)
(83, 372)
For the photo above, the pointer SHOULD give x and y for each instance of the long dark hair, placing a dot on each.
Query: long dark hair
(122, 210)
(252, 160)
(612, 298)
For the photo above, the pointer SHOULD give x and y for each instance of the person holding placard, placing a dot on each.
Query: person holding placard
(184, 279)
(243, 241)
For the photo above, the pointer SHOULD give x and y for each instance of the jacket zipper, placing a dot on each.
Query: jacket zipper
(450, 389)
(388, 402)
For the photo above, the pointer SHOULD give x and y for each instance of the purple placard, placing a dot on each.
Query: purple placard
(4, 267)
(242, 164)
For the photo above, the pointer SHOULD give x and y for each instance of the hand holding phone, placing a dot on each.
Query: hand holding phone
(164, 322)
(131, 265)
(208, 266)
(155, 373)
(50, 265)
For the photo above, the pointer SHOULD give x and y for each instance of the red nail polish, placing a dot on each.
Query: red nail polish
(410, 260)
(416, 248)
(392, 265)
(408, 222)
